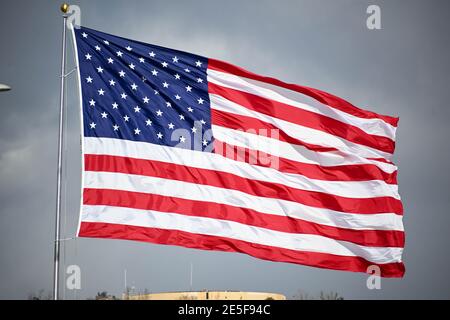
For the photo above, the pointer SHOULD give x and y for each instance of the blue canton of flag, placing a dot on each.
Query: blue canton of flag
(142, 92)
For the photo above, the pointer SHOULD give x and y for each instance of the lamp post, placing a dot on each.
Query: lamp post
(4, 87)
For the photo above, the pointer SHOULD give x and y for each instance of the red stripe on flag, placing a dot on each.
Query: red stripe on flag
(230, 181)
(207, 242)
(236, 121)
(147, 201)
(324, 97)
(350, 172)
(303, 117)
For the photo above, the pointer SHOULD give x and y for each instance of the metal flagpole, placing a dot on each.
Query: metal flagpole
(64, 9)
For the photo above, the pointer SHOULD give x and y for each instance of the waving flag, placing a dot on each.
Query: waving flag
(184, 150)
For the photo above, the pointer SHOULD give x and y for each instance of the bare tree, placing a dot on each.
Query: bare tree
(300, 295)
(330, 296)
(40, 295)
(105, 296)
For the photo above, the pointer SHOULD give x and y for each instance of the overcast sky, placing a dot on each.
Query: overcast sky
(401, 70)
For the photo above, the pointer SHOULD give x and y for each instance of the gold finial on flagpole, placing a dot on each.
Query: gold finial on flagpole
(64, 7)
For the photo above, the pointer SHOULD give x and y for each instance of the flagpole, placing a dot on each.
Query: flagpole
(64, 8)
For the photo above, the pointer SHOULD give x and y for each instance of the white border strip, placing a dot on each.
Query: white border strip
(80, 97)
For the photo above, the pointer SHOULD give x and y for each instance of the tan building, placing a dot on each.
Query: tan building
(207, 295)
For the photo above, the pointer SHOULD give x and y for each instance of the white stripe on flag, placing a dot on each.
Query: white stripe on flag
(291, 129)
(301, 101)
(283, 149)
(302, 133)
(193, 191)
(235, 230)
(211, 161)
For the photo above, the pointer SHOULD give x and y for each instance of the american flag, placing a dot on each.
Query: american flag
(185, 150)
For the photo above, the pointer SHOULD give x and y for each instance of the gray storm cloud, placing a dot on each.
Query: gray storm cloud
(402, 69)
